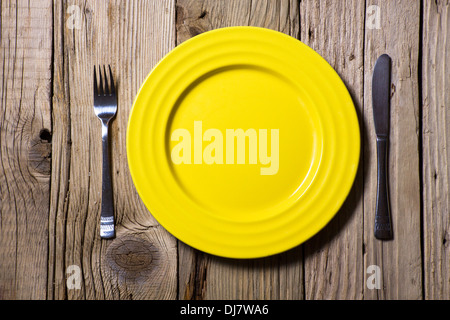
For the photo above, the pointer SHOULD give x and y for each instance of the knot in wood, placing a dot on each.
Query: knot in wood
(40, 152)
(132, 258)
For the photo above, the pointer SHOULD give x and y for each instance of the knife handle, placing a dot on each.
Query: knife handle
(383, 226)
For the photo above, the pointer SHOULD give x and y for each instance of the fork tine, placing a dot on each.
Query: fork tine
(101, 88)
(111, 79)
(95, 82)
(107, 91)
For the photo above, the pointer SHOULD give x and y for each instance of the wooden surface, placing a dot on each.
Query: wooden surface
(401, 258)
(436, 151)
(50, 153)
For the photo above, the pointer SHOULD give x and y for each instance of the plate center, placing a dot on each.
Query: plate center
(243, 140)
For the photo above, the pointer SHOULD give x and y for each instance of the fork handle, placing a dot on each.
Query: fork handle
(107, 209)
(383, 226)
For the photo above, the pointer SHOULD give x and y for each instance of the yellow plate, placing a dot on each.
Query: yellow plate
(243, 142)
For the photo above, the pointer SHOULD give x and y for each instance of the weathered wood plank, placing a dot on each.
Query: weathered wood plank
(141, 262)
(436, 148)
(399, 260)
(202, 276)
(61, 151)
(334, 257)
(25, 147)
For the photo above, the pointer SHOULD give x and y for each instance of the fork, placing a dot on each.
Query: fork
(105, 108)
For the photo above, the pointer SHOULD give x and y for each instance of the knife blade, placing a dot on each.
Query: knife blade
(381, 83)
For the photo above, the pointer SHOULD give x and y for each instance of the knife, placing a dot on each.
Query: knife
(381, 83)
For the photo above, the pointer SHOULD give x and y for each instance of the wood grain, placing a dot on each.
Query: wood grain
(203, 276)
(436, 151)
(399, 260)
(25, 147)
(141, 262)
(334, 257)
(50, 153)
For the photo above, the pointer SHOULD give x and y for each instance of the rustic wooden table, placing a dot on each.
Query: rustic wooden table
(50, 148)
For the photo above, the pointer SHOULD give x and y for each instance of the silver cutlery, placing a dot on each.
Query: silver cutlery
(105, 108)
(381, 84)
